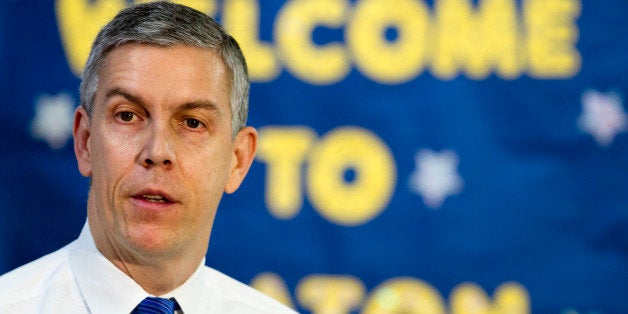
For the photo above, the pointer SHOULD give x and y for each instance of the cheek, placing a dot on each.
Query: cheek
(207, 172)
(111, 159)
(204, 191)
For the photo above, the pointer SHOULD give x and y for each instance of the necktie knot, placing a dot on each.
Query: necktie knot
(152, 305)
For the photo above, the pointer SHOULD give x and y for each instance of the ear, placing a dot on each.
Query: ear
(81, 134)
(244, 150)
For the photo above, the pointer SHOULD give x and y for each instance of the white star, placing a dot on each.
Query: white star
(53, 119)
(602, 116)
(436, 176)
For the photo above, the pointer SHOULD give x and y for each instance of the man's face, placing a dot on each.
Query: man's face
(159, 149)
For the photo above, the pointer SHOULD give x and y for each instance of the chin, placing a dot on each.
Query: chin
(153, 241)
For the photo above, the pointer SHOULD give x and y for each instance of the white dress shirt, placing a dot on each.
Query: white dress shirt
(79, 279)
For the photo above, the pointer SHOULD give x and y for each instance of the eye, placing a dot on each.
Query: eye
(192, 123)
(126, 116)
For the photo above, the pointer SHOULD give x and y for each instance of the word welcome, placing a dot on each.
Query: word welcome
(387, 41)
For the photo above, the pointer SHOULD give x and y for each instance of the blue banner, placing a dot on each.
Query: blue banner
(416, 156)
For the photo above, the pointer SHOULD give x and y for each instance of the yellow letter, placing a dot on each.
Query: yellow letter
(206, 6)
(512, 298)
(453, 28)
(385, 61)
(552, 35)
(284, 150)
(293, 33)
(350, 149)
(79, 22)
(241, 19)
(469, 298)
(404, 295)
(273, 286)
(498, 47)
(477, 42)
(324, 294)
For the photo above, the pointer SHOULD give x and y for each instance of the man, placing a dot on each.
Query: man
(161, 133)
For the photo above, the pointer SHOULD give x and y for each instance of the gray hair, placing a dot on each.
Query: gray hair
(168, 24)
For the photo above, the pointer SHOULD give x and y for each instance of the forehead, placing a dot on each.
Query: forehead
(166, 74)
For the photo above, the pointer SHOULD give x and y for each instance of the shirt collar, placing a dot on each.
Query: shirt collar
(192, 294)
(106, 289)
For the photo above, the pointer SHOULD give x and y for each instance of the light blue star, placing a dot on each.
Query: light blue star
(602, 116)
(53, 119)
(436, 176)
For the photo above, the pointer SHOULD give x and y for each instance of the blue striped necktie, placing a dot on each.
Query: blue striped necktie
(152, 305)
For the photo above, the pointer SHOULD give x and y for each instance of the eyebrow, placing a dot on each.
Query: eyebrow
(199, 104)
(123, 93)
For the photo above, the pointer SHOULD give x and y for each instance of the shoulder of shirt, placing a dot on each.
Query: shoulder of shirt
(30, 282)
(244, 296)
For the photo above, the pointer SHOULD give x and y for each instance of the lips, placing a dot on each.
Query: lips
(154, 196)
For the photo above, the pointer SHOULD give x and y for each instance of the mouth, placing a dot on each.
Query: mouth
(154, 198)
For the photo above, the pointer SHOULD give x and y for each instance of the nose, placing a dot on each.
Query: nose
(158, 149)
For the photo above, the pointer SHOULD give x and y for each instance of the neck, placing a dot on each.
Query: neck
(157, 273)
(158, 279)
